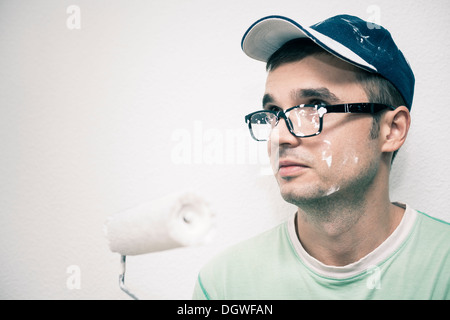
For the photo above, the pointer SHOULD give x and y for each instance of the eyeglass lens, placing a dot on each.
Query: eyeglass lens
(304, 121)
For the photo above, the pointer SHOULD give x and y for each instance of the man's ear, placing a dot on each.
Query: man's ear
(394, 128)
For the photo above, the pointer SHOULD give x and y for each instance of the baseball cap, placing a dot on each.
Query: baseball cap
(364, 44)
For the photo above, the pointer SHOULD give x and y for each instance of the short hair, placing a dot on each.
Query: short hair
(377, 88)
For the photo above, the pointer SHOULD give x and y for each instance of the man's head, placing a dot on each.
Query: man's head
(354, 151)
(377, 88)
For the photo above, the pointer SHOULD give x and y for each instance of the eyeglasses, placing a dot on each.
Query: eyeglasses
(304, 120)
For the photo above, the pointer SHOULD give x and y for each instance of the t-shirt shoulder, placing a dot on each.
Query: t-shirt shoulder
(248, 249)
(230, 264)
(435, 221)
(433, 231)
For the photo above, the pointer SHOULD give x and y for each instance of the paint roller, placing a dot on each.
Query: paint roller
(175, 221)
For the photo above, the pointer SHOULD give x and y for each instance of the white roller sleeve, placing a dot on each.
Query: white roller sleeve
(171, 222)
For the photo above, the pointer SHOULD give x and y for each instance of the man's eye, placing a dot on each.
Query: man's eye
(273, 108)
(318, 102)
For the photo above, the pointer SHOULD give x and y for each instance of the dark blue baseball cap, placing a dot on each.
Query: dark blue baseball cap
(361, 43)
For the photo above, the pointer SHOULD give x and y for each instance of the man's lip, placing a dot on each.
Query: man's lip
(290, 163)
(289, 168)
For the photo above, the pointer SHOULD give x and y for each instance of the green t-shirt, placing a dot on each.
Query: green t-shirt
(412, 263)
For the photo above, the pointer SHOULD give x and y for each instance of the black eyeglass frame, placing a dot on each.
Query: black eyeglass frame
(367, 108)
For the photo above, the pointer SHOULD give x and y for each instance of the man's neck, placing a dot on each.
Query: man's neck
(338, 234)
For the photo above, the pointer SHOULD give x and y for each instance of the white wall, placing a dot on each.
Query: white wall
(91, 120)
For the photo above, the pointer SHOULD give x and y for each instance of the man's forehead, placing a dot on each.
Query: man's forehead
(324, 77)
(322, 93)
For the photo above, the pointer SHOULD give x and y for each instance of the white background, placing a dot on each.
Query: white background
(90, 122)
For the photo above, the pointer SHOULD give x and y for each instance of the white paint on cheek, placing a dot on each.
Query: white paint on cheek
(345, 160)
(349, 159)
(332, 190)
(326, 153)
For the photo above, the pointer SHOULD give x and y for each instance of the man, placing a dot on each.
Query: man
(336, 110)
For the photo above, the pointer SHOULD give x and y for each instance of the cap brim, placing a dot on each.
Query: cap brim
(268, 34)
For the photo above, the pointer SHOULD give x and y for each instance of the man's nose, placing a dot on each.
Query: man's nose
(281, 134)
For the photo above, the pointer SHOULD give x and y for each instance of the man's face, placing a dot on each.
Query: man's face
(343, 159)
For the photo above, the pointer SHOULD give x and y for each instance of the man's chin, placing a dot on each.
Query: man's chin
(296, 195)
(305, 194)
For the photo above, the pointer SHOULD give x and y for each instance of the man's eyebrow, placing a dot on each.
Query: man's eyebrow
(267, 99)
(319, 93)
